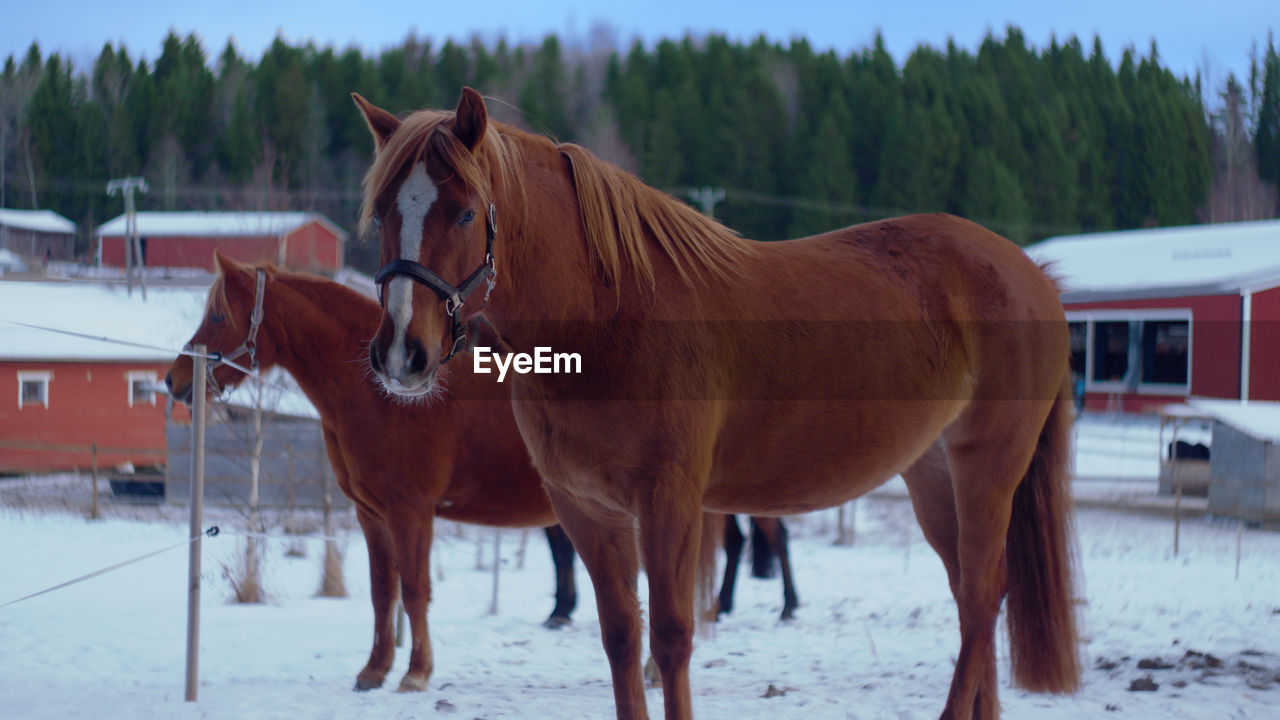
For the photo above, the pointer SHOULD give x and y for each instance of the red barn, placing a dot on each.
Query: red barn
(61, 394)
(1164, 314)
(296, 240)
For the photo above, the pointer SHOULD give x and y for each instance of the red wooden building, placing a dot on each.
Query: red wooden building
(37, 234)
(59, 394)
(1161, 315)
(296, 240)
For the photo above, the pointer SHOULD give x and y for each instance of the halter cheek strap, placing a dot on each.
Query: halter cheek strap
(453, 297)
(248, 347)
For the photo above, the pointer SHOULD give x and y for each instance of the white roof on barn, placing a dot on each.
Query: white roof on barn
(217, 224)
(1163, 262)
(46, 221)
(166, 320)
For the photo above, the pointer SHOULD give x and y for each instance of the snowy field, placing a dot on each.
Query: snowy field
(876, 633)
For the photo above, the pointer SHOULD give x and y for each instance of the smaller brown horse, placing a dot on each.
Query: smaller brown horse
(460, 459)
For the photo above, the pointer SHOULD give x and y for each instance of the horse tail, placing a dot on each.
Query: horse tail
(763, 558)
(705, 600)
(1039, 556)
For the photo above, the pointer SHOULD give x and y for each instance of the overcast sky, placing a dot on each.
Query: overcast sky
(1187, 32)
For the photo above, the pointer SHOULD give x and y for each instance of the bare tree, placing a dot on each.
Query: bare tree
(1237, 192)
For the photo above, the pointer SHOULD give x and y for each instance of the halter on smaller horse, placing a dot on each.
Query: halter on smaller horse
(248, 347)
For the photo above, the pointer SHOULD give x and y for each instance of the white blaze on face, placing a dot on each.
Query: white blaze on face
(414, 202)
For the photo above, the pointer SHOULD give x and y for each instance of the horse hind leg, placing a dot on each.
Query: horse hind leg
(773, 534)
(933, 502)
(562, 555)
(1008, 463)
(733, 541)
(988, 452)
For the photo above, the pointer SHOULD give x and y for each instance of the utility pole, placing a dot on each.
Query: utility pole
(706, 198)
(132, 243)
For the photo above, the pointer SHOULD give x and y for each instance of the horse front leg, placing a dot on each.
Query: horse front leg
(606, 542)
(383, 591)
(413, 534)
(671, 539)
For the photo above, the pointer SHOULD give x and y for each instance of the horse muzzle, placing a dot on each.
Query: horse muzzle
(405, 366)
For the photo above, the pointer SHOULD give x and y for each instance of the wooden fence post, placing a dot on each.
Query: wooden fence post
(93, 450)
(197, 519)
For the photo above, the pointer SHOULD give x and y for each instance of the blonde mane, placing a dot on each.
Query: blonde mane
(617, 210)
(216, 303)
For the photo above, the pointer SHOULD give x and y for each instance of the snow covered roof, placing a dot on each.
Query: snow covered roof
(165, 320)
(46, 221)
(1258, 419)
(218, 224)
(1165, 262)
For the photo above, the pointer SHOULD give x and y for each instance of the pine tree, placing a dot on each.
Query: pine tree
(1267, 135)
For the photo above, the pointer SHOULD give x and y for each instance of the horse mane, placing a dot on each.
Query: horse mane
(217, 300)
(618, 211)
(216, 303)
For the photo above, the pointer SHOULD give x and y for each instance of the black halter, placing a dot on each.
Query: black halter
(453, 297)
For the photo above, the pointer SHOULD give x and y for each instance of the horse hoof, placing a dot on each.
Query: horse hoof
(369, 681)
(412, 683)
(555, 622)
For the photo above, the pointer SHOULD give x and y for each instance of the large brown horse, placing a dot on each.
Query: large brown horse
(720, 373)
(401, 465)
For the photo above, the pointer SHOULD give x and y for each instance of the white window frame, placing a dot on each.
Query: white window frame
(44, 377)
(1089, 317)
(147, 376)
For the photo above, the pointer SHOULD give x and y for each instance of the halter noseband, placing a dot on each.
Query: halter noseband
(453, 297)
(248, 347)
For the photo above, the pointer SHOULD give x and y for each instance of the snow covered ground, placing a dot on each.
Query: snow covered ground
(876, 633)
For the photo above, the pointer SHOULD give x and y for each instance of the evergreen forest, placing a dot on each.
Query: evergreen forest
(1031, 142)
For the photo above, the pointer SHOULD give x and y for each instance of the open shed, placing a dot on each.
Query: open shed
(37, 235)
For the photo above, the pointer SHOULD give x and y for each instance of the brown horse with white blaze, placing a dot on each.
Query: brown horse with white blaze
(740, 377)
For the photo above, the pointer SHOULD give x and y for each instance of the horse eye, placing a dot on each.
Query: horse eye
(467, 217)
(377, 221)
(216, 318)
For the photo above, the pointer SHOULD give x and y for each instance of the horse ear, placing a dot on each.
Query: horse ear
(224, 265)
(471, 118)
(381, 123)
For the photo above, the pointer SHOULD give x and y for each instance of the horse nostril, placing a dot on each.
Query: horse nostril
(415, 357)
(168, 382)
(375, 359)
